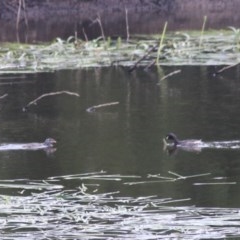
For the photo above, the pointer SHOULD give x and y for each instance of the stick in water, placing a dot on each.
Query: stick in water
(169, 75)
(3, 96)
(49, 94)
(93, 108)
(227, 67)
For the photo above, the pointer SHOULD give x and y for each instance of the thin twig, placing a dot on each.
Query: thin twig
(150, 64)
(85, 35)
(101, 27)
(177, 175)
(203, 29)
(25, 13)
(198, 175)
(18, 14)
(93, 108)
(50, 94)
(214, 183)
(227, 67)
(170, 74)
(143, 57)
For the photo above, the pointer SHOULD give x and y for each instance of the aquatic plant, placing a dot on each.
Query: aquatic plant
(192, 48)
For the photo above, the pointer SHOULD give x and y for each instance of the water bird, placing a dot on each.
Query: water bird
(172, 140)
(171, 143)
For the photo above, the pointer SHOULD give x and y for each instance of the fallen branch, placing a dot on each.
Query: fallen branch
(47, 95)
(93, 108)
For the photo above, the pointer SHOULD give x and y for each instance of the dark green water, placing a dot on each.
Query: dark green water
(127, 138)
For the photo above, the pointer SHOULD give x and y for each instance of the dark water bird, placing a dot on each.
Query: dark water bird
(172, 140)
(171, 143)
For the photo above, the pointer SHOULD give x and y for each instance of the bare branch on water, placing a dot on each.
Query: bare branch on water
(93, 108)
(170, 74)
(50, 94)
(3, 96)
(227, 67)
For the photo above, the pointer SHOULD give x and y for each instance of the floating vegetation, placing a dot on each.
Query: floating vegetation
(56, 212)
(194, 48)
(26, 184)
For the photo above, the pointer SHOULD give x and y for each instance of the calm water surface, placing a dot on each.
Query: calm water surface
(127, 138)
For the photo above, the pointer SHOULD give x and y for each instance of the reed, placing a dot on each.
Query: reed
(127, 25)
(218, 48)
(161, 42)
(202, 31)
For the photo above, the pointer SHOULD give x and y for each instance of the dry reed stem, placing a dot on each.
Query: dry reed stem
(127, 24)
(85, 35)
(101, 27)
